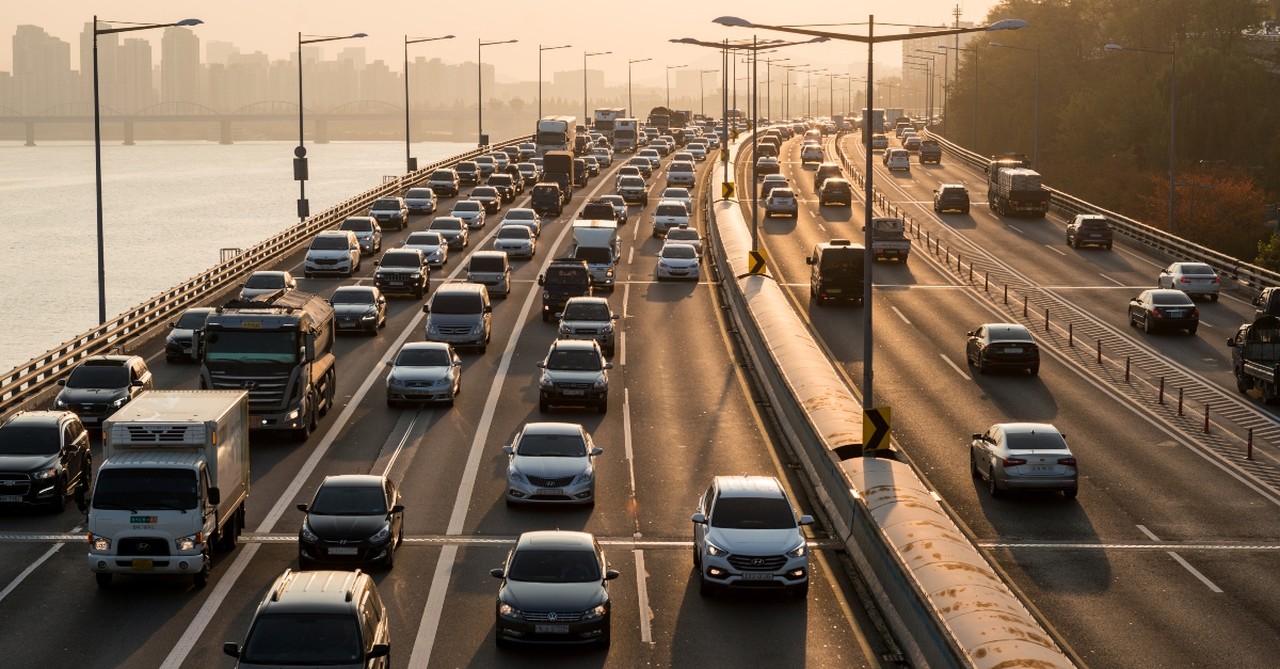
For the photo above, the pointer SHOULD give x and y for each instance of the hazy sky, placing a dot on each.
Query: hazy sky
(631, 30)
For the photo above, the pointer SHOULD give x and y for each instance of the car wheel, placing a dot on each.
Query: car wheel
(981, 365)
(103, 580)
(307, 275)
(1133, 322)
(603, 641)
(498, 641)
(994, 488)
(1034, 370)
(1213, 297)
(392, 404)
(390, 560)
(973, 465)
(1108, 247)
(60, 497)
(704, 588)
(1147, 327)
(801, 592)
(1070, 493)
(201, 578)
(543, 406)
(603, 406)
(1192, 330)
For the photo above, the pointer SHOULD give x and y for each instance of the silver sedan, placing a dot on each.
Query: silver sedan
(1023, 456)
(551, 462)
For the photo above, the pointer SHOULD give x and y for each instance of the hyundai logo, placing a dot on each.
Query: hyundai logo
(143, 547)
(756, 562)
(249, 385)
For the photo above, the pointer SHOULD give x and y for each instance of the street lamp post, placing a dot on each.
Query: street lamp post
(768, 85)
(702, 92)
(97, 143)
(300, 153)
(586, 55)
(945, 59)
(923, 66)
(975, 87)
(1035, 142)
(1173, 123)
(410, 163)
(870, 39)
(630, 107)
(480, 44)
(669, 69)
(540, 50)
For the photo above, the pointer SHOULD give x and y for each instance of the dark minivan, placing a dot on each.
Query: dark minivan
(837, 272)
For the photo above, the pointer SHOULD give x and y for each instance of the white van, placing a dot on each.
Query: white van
(460, 314)
(332, 252)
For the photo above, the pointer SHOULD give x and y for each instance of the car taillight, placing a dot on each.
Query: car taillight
(1070, 462)
(1195, 313)
(1156, 313)
(1184, 280)
(1215, 279)
(1010, 462)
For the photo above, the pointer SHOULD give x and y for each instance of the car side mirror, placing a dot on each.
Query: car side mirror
(137, 383)
(215, 496)
(806, 519)
(174, 325)
(597, 451)
(699, 518)
(302, 506)
(390, 363)
(540, 364)
(378, 650)
(1231, 342)
(608, 365)
(497, 573)
(971, 333)
(506, 448)
(977, 437)
(540, 279)
(611, 574)
(231, 648)
(488, 308)
(426, 308)
(614, 316)
(809, 260)
(377, 263)
(397, 508)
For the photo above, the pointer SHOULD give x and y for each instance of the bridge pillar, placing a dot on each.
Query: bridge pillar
(128, 133)
(31, 133)
(224, 132)
(322, 131)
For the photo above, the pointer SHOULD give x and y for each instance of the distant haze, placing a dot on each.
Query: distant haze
(642, 31)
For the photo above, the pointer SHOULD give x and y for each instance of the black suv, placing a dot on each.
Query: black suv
(837, 272)
(835, 191)
(44, 457)
(100, 385)
(318, 618)
(390, 212)
(599, 210)
(565, 278)
(951, 197)
(1089, 230)
(547, 199)
(468, 173)
(403, 271)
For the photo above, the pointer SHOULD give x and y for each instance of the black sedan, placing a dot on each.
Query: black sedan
(489, 197)
(554, 591)
(353, 519)
(1164, 309)
(1002, 346)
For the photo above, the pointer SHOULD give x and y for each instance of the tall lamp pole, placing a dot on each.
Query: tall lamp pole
(631, 110)
(411, 164)
(669, 69)
(97, 142)
(482, 140)
(586, 55)
(1173, 123)
(300, 153)
(540, 50)
(768, 85)
(975, 87)
(1035, 142)
(945, 59)
(870, 39)
(702, 90)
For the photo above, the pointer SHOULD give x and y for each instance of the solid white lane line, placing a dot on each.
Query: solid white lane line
(1014, 228)
(429, 624)
(1195, 572)
(1150, 535)
(642, 595)
(211, 606)
(1055, 250)
(626, 443)
(1110, 279)
(901, 315)
(30, 568)
(956, 367)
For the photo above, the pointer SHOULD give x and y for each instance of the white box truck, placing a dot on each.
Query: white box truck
(596, 242)
(173, 484)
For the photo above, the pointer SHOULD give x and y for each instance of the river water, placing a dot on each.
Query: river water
(168, 208)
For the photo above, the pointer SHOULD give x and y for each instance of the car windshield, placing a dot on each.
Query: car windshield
(454, 304)
(423, 239)
(357, 296)
(468, 205)
(29, 440)
(520, 215)
(631, 182)
(485, 191)
(192, 320)
(1177, 298)
(99, 376)
(570, 276)
(554, 566)
(586, 311)
(1197, 270)
(481, 263)
(386, 203)
(338, 500)
(330, 243)
(1044, 440)
(307, 639)
(552, 446)
(513, 232)
(148, 488)
(401, 259)
(683, 235)
(752, 513)
(574, 360)
(419, 193)
(422, 357)
(442, 175)
(446, 224)
(258, 280)
(671, 210)
(679, 251)
(252, 346)
(356, 224)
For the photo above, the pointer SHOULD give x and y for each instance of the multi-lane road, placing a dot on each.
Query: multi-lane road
(1168, 556)
(682, 411)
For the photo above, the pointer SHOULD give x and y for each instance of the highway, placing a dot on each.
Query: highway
(682, 411)
(1166, 558)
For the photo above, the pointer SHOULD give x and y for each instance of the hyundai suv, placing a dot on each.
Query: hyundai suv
(951, 197)
(1087, 229)
(588, 317)
(318, 619)
(100, 385)
(390, 211)
(575, 373)
(368, 233)
(746, 535)
(44, 457)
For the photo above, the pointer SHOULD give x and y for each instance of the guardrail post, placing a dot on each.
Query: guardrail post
(1248, 454)
(970, 272)
(1024, 306)
(959, 266)
(1126, 369)
(1206, 418)
(1046, 319)
(1099, 350)
(1006, 293)
(1180, 390)
(1161, 400)
(986, 281)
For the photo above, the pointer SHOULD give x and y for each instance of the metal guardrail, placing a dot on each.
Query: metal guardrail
(1246, 275)
(29, 381)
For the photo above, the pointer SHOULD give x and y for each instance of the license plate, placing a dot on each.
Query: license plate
(1175, 313)
(395, 283)
(1041, 469)
(574, 393)
(10, 498)
(757, 576)
(551, 629)
(834, 291)
(141, 564)
(343, 550)
(550, 492)
(1013, 349)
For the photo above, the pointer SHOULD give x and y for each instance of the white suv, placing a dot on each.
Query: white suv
(745, 534)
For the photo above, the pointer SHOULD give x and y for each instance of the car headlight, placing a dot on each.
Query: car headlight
(595, 612)
(607, 328)
(715, 550)
(585, 477)
(432, 328)
(119, 402)
(798, 551)
(602, 382)
(382, 534)
(565, 329)
(188, 543)
(546, 294)
(99, 543)
(59, 403)
(306, 533)
(609, 273)
(546, 382)
(509, 611)
(393, 382)
(515, 476)
(46, 473)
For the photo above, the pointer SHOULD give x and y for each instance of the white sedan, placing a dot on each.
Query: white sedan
(678, 260)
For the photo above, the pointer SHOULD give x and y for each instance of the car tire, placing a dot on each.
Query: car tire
(1213, 297)
(60, 497)
(1108, 247)
(603, 406)
(1192, 330)
(201, 578)
(543, 406)
(307, 275)
(498, 641)
(390, 561)
(1147, 327)
(1070, 493)
(981, 364)
(801, 592)
(973, 465)
(103, 580)
(1034, 370)
(392, 404)
(992, 486)
(704, 588)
